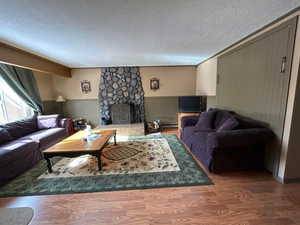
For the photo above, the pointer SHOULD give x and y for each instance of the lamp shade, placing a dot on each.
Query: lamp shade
(60, 99)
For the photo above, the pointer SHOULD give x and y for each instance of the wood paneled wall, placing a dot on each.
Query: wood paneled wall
(17, 57)
(251, 81)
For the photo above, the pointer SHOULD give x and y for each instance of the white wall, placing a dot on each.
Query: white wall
(45, 86)
(174, 81)
(206, 80)
(70, 88)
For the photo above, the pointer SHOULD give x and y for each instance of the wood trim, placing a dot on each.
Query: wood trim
(251, 35)
(17, 57)
(100, 67)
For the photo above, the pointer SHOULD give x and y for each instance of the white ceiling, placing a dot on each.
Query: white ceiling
(94, 33)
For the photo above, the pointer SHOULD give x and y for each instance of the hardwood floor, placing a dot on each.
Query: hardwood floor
(243, 198)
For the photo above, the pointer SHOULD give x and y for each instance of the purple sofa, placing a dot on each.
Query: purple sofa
(225, 141)
(22, 143)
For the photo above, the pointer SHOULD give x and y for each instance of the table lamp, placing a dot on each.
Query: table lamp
(60, 99)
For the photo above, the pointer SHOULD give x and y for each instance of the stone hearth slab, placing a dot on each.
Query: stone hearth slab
(134, 129)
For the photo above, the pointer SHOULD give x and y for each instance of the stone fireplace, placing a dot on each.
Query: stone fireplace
(121, 96)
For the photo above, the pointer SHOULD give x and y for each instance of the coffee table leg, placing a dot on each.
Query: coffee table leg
(49, 165)
(99, 161)
(115, 140)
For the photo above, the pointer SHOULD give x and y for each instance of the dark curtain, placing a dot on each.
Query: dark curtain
(22, 81)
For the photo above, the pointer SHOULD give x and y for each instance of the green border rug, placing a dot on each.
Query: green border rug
(190, 174)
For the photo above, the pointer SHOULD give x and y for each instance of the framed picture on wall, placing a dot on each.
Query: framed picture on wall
(154, 84)
(85, 86)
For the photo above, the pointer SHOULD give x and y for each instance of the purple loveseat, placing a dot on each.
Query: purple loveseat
(225, 141)
(22, 143)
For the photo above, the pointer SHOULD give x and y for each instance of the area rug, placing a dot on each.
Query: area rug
(165, 163)
(135, 156)
(16, 216)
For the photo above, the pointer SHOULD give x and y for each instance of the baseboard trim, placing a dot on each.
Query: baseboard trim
(287, 180)
(169, 125)
(292, 180)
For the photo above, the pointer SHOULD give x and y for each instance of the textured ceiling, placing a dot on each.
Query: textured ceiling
(93, 33)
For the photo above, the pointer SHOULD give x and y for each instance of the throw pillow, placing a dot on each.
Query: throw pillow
(47, 121)
(205, 121)
(221, 117)
(4, 136)
(229, 124)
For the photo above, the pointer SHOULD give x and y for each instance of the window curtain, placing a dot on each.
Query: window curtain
(23, 82)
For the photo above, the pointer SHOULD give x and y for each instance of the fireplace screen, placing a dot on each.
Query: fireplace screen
(122, 113)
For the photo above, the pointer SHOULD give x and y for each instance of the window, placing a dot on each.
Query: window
(12, 107)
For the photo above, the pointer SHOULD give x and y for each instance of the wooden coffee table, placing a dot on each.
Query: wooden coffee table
(75, 146)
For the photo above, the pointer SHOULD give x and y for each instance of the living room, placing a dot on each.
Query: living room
(162, 112)
(80, 104)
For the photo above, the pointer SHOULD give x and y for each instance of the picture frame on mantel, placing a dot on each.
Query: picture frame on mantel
(154, 84)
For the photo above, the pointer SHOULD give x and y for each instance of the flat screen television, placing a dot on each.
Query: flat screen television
(191, 104)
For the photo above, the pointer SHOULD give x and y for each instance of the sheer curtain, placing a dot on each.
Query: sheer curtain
(23, 82)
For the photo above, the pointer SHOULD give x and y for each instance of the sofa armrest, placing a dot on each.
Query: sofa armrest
(67, 123)
(238, 138)
(188, 121)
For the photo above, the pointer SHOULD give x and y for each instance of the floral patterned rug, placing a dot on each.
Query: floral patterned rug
(186, 173)
(137, 156)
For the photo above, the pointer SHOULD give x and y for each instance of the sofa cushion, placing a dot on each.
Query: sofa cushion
(4, 136)
(15, 150)
(48, 121)
(16, 157)
(199, 147)
(21, 128)
(199, 141)
(187, 134)
(221, 117)
(47, 137)
(205, 121)
(229, 124)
